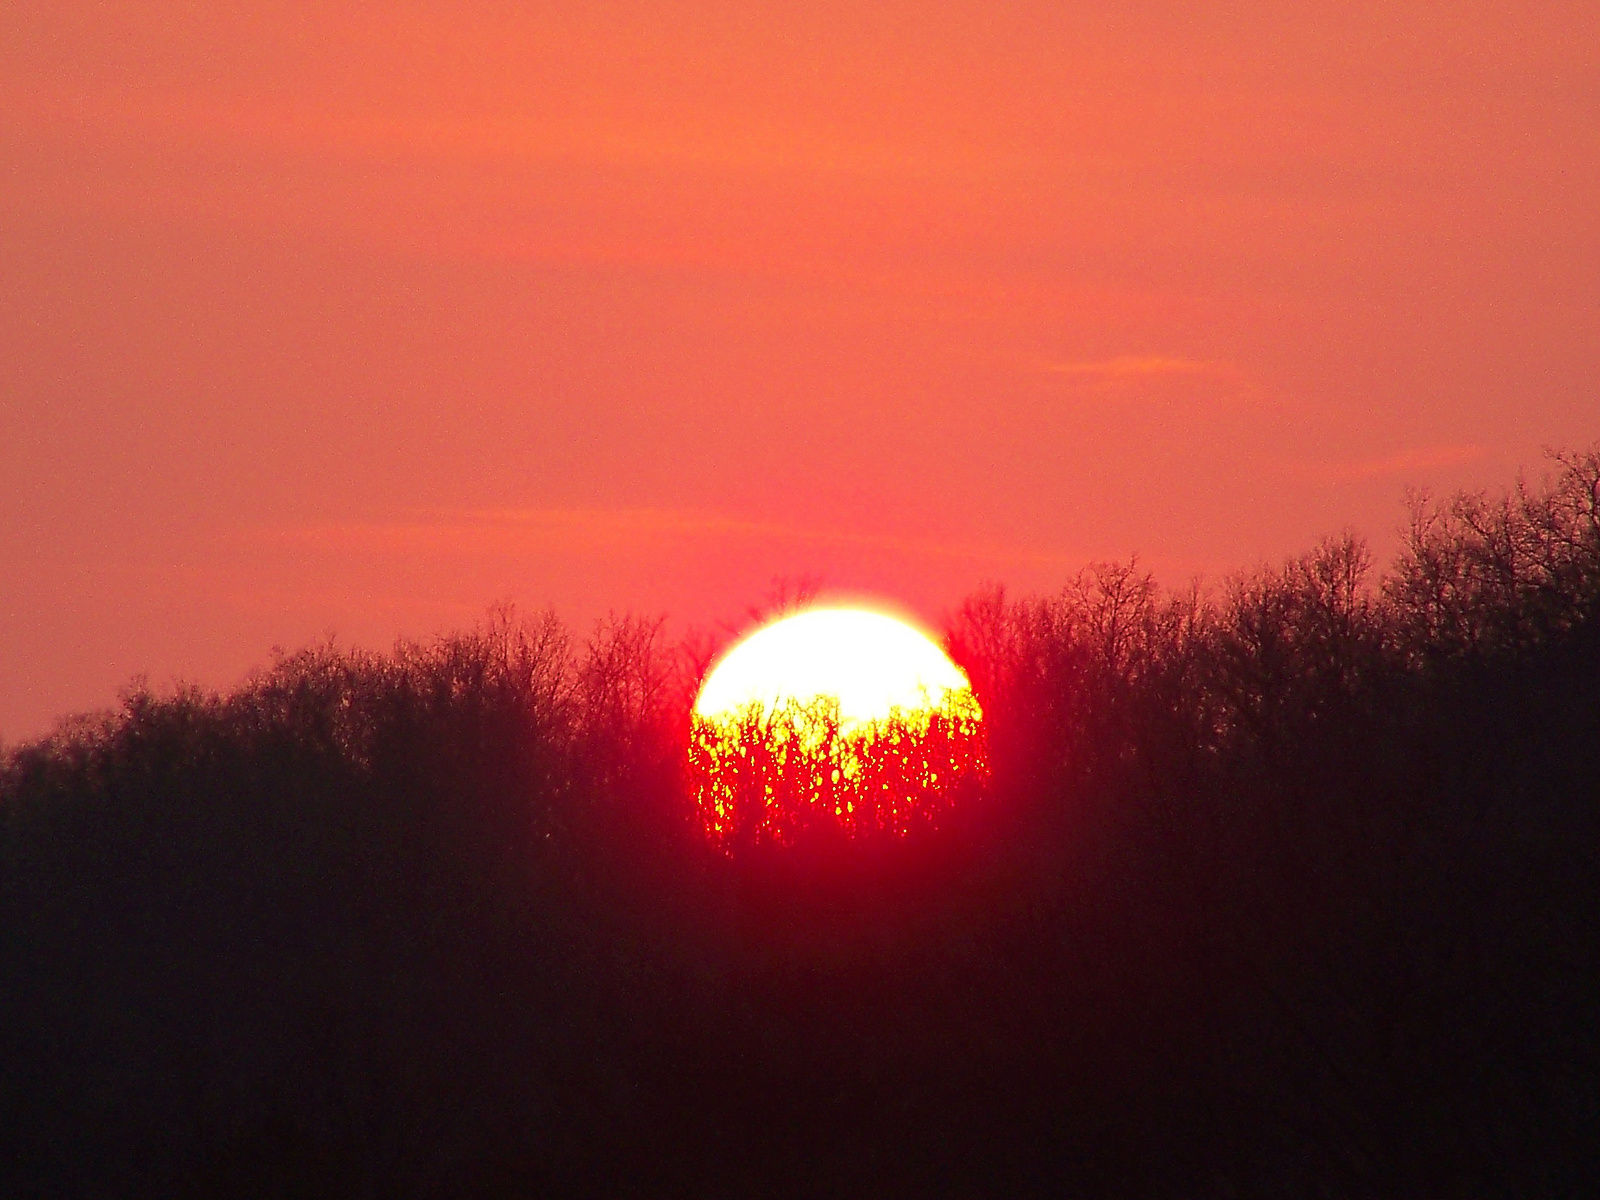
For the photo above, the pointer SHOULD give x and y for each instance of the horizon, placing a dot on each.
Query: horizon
(716, 636)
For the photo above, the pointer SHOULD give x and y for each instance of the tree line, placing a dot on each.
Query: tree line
(1288, 886)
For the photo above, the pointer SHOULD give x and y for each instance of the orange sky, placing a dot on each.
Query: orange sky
(325, 317)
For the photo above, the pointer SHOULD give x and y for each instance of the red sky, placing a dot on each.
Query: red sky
(326, 317)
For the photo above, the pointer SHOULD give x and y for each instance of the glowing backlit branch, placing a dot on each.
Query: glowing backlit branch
(779, 776)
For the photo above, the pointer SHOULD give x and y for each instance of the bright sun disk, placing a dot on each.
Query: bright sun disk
(870, 663)
(836, 719)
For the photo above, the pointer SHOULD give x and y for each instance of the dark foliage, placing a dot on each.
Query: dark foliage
(1289, 890)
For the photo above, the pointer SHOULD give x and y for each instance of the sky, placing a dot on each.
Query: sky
(353, 320)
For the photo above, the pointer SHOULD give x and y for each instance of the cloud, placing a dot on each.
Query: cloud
(1417, 459)
(592, 531)
(1149, 366)
(1144, 377)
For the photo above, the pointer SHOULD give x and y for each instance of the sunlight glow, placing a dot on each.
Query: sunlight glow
(871, 664)
(835, 720)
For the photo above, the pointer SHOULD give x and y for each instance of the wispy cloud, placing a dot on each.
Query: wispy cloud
(589, 531)
(1135, 378)
(1415, 460)
(1147, 366)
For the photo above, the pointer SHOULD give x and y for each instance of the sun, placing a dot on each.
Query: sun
(869, 663)
(834, 720)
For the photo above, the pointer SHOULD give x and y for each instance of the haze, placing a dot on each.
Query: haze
(358, 319)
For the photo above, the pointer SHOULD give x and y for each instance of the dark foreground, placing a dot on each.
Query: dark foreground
(1291, 893)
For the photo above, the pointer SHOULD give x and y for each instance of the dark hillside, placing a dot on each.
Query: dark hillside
(1287, 890)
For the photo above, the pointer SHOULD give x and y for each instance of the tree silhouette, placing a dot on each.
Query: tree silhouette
(1286, 887)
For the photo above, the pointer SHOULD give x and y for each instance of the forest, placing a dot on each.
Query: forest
(1285, 886)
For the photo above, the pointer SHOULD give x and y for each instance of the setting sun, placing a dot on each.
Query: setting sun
(835, 719)
(871, 664)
